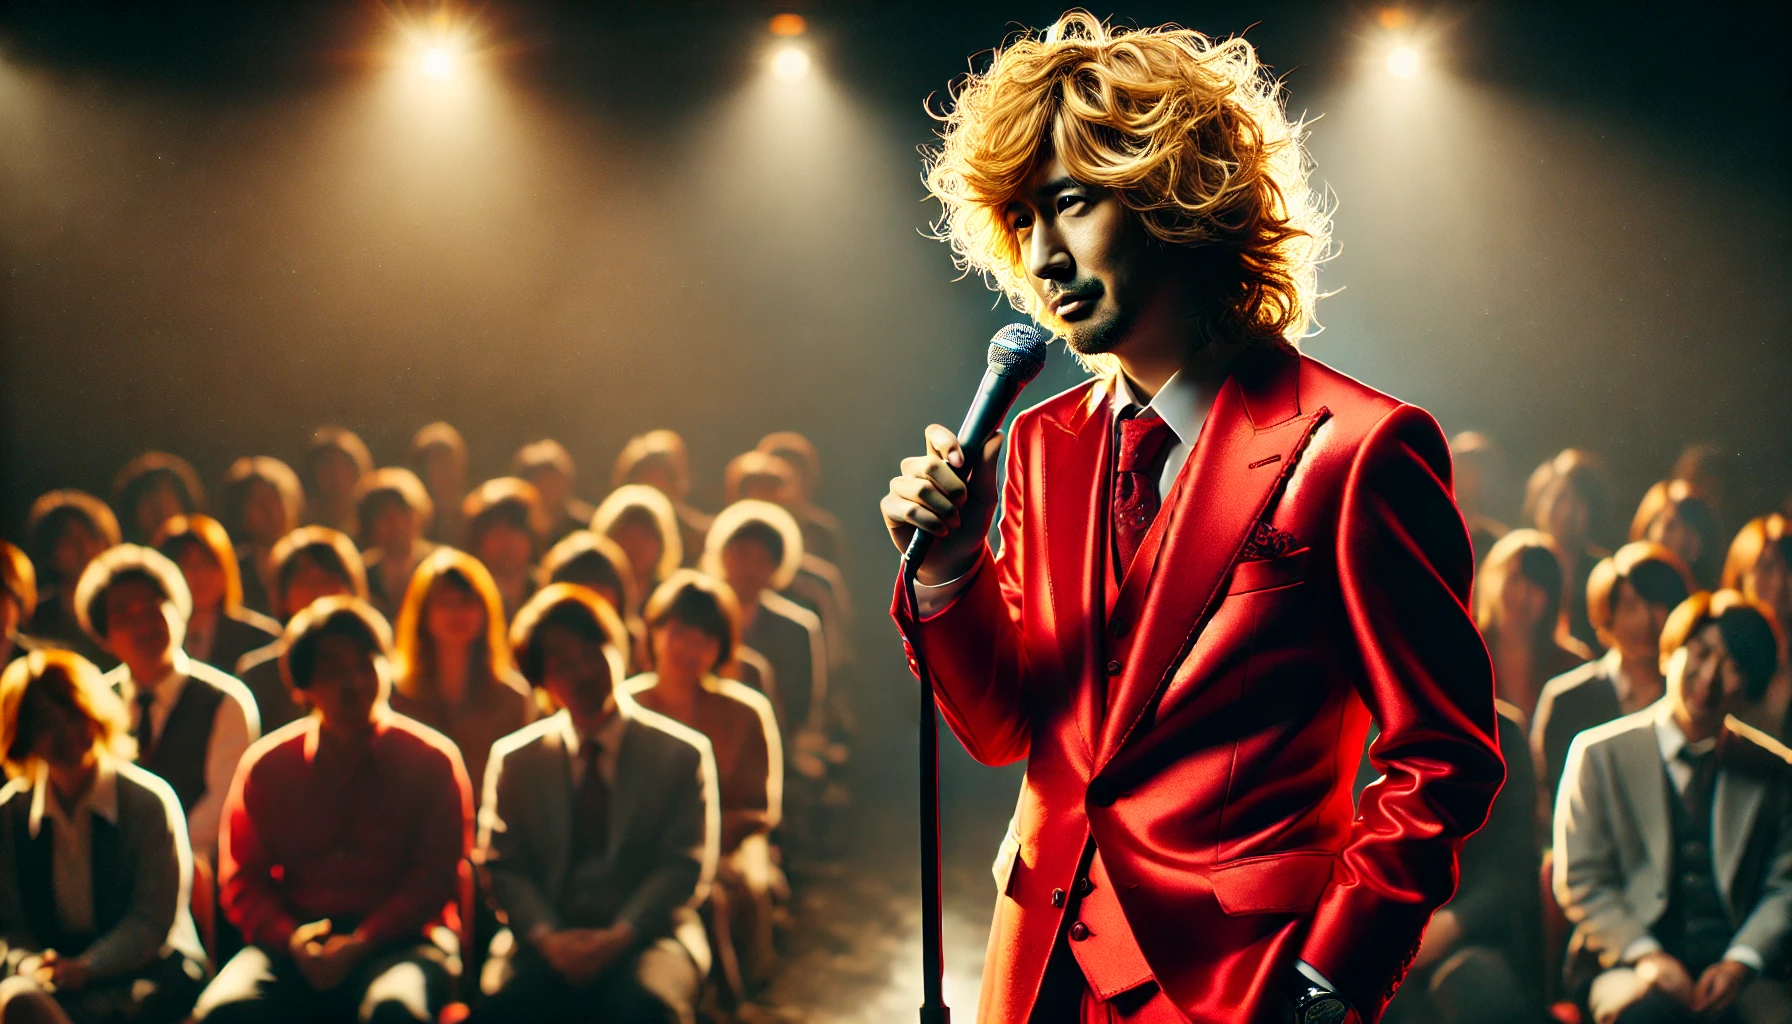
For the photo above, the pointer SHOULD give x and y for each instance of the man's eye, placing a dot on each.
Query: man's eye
(1068, 200)
(1020, 220)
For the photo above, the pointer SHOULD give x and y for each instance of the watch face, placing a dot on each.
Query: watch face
(1324, 1010)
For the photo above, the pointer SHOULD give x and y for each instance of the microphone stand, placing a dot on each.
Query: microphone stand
(933, 953)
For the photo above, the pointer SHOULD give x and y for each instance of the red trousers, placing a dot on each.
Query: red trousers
(1065, 998)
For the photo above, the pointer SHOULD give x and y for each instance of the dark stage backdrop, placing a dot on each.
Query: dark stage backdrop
(221, 225)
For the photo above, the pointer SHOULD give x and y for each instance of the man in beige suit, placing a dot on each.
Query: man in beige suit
(1673, 836)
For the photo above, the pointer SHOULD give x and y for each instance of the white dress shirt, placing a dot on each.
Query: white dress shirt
(609, 738)
(71, 840)
(231, 735)
(1671, 741)
(1181, 405)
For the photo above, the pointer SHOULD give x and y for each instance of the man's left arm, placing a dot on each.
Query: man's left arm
(688, 847)
(1764, 931)
(235, 725)
(441, 840)
(1405, 567)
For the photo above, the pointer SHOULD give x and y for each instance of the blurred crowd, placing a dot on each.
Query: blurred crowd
(338, 741)
(1637, 864)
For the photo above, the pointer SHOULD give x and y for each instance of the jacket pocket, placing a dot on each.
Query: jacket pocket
(1265, 573)
(1287, 883)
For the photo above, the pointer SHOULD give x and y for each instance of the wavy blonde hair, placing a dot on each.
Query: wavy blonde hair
(1189, 132)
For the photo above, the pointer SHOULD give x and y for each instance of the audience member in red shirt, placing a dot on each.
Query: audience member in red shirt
(344, 844)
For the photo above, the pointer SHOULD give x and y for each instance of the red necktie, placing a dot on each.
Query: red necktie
(1143, 442)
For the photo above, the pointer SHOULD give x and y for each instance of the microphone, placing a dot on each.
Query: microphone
(1016, 355)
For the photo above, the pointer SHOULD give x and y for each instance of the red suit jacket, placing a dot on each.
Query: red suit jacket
(1207, 730)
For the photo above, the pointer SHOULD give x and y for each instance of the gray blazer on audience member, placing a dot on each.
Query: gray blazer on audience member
(1613, 837)
(665, 827)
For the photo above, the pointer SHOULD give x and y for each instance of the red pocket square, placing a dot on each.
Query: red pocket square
(1268, 542)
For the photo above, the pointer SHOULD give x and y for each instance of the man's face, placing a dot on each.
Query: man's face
(576, 671)
(1563, 515)
(748, 565)
(265, 517)
(394, 526)
(642, 546)
(441, 474)
(551, 484)
(1672, 532)
(505, 549)
(684, 650)
(62, 736)
(309, 582)
(1636, 624)
(141, 626)
(334, 475)
(345, 684)
(158, 505)
(77, 545)
(1704, 682)
(1092, 265)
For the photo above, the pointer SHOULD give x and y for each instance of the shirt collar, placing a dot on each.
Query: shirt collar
(1670, 738)
(101, 798)
(608, 735)
(1178, 402)
(167, 688)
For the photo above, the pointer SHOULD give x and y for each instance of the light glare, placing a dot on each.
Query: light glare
(1403, 62)
(790, 63)
(437, 62)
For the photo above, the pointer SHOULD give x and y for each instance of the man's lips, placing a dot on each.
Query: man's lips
(1065, 305)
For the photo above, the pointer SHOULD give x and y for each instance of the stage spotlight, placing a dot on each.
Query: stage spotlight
(788, 25)
(437, 62)
(1403, 61)
(790, 63)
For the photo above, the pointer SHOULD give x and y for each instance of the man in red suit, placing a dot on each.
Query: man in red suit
(1218, 560)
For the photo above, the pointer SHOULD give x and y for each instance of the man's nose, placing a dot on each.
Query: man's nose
(1047, 257)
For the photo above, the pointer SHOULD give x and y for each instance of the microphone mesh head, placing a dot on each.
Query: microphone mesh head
(1018, 350)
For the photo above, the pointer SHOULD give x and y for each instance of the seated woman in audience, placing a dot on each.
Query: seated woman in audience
(454, 669)
(393, 512)
(642, 522)
(1629, 597)
(439, 457)
(755, 548)
(1480, 468)
(334, 462)
(549, 467)
(822, 535)
(597, 562)
(503, 518)
(67, 529)
(310, 563)
(345, 843)
(191, 721)
(660, 460)
(153, 488)
(1569, 499)
(1759, 564)
(1518, 605)
(1673, 515)
(94, 865)
(598, 837)
(694, 624)
(220, 630)
(262, 503)
(18, 600)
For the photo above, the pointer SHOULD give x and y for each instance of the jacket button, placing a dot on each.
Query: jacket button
(1113, 668)
(1102, 793)
(1079, 931)
(1057, 897)
(1083, 886)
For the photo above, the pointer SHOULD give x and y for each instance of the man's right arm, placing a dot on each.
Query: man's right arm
(1587, 880)
(245, 869)
(504, 852)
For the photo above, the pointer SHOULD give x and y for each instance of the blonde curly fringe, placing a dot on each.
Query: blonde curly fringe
(1189, 132)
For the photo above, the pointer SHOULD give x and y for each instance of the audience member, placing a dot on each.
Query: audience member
(1569, 499)
(694, 625)
(454, 669)
(503, 518)
(18, 601)
(660, 460)
(153, 488)
(643, 523)
(66, 530)
(822, 535)
(549, 467)
(94, 865)
(1673, 515)
(1673, 836)
(1713, 472)
(191, 722)
(393, 512)
(262, 503)
(345, 842)
(595, 561)
(1629, 598)
(310, 563)
(334, 461)
(1481, 960)
(1760, 565)
(1480, 469)
(220, 630)
(1518, 605)
(439, 457)
(599, 834)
